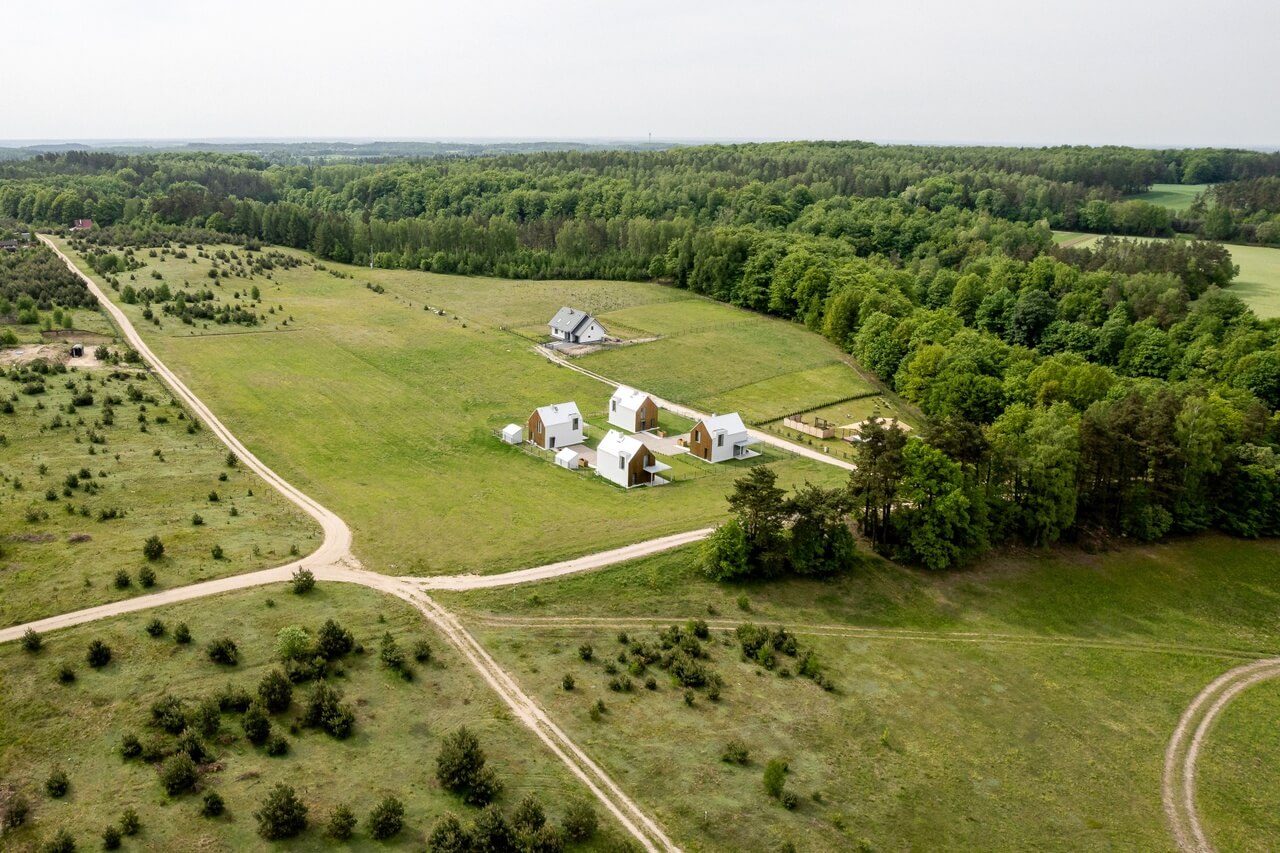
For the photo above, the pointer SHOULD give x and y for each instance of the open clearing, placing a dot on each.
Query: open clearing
(57, 553)
(1025, 705)
(399, 724)
(383, 412)
(1238, 784)
(1175, 197)
(1258, 283)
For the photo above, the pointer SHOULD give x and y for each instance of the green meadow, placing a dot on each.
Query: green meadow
(1021, 705)
(385, 412)
(1175, 197)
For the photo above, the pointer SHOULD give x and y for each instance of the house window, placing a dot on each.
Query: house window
(614, 404)
(575, 423)
(622, 462)
(552, 442)
(720, 440)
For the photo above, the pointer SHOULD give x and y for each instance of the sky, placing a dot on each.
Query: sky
(1172, 73)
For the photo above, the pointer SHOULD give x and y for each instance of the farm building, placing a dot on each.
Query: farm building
(9, 245)
(623, 459)
(576, 327)
(554, 427)
(82, 225)
(632, 410)
(568, 458)
(720, 438)
(513, 433)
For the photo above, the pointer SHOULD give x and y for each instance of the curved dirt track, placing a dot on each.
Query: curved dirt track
(334, 561)
(1178, 780)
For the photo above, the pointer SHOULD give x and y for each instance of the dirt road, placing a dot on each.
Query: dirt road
(694, 415)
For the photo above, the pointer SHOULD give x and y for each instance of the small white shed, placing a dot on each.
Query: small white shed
(568, 458)
(513, 433)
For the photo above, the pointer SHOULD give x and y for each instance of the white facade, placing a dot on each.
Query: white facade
(576, 327)
(513, 433)
(623, 408)
(729, 438)
(561, 425)
(614, 461)
(568, 459)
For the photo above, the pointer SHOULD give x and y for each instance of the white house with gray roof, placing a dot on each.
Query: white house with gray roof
(576, 327)
(555, 427)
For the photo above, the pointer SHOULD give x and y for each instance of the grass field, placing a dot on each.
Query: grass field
(1025, 705)
(399, 726)
(1175, 197)
(1258, 283)
(57, 555)
(1239, 782)
(383, 411)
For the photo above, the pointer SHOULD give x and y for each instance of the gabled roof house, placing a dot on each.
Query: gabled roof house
(576, 327)
(624, 460)
(720, 438)
(632, 410)
(557, 426)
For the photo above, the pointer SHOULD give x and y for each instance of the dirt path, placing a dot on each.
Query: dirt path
(1178, 780)
(694, 415)
(334, 561)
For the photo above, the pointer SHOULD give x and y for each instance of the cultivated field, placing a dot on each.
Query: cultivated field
(399, 726)
(1025, 705)
(83, 485)
(383, 411)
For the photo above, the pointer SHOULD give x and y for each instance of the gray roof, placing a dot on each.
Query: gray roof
(569, 320)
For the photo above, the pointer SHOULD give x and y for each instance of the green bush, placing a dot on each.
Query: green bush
(99, 654)
(325, 710)
(182, 634)
(461, 768)
(491, 831)
(123, 580)
(386, 819)
(333, 641)
(146, 577)
(63, 842)
(282, 814)
(580, 821)
(57, 784)
(130, 824)
(567, 682)
(153, 548)
(223, 651)
(528, 816)
(257, 726)
(277, 745)
(111, 838)
(341, 824)
(31, 641)
(212, 805)
(178, 774)
(156, 628)
(586, 652)
(735, 752)
(130, 746)
(450, 836)
(275, 691)
(303, 581)
(775, 777)
(422, 651)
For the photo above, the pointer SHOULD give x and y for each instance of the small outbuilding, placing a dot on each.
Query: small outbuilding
(720, 438)
(554, 427)
(77, 350)
(513, 433)
(82, 225)
(569, 458)
(624, 460)
(576, 327)
(632, 410)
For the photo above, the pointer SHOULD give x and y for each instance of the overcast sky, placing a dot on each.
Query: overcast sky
(1137, 73)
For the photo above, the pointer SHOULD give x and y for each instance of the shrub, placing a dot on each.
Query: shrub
(293, 643)
(275, 691)
(567, 682)
(341, 824)
(580, 821)
(153, 548)
(212, 804)
(170, 714)
(66, 674)
(178, 774)
(282, 814)
(386, 819)
(146, 577)
(689, 697)
(31, 641)
(422, 651)
(130, 824)
(231, 459)
(197, 519)
(390, 654)
(277, 745)
(491, 832)
(586, 652)
(528, 816)
(303, 581)
(182, 634)
(325, 710)
(789, 800)
(63, 842)
(257, 726)
(623, 638)
(216, 552)
(57, 784)
(155, 628)
(449, 836)
(99, 654)
(460, 768)
(223, 651)
(775, 777)
(207, 716)
(699, 629)
(213, 497)
(651, 683)
(735, 752)
(130, 746)
(16, 812)
(333, 641)
(123, 581)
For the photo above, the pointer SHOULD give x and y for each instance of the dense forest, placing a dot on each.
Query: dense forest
(1069, 393)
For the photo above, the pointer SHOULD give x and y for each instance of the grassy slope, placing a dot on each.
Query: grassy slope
(43, 573)
(383, 411)
(1038, 735)
(398, 729)
(1175, 197)
(1238, 787)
